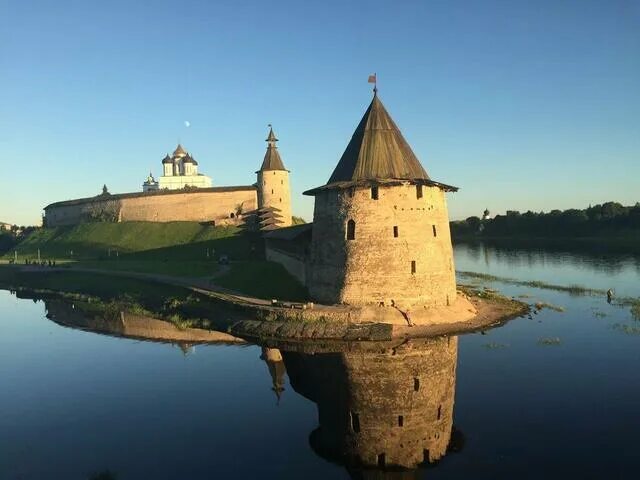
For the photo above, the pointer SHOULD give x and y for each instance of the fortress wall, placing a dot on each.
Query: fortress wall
(65, 215)
(376, 266)
(191, 206)
(197, 206)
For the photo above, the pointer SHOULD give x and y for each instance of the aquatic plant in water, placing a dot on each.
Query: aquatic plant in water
(549, 341)
(495, 346)
(571, 289)
(626, 329)
(550, 306)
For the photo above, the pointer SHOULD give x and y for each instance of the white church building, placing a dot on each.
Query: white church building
(179, 170)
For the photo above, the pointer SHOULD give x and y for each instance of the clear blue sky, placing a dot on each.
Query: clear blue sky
(524, 105)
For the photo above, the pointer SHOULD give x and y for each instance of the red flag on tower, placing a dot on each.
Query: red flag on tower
(372, 78)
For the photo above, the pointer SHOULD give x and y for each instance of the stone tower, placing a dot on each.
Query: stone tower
(380, 224)
(384, 408)
(274, 194)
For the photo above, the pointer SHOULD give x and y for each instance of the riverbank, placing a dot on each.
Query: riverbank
(197, 303)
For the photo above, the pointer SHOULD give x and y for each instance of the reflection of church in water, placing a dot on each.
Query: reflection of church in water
(384, 409)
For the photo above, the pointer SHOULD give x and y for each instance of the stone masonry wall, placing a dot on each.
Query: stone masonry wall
(274, 191)
(390, 234)
(188, 206)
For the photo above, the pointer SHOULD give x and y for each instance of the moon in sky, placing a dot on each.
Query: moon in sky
(187, 123)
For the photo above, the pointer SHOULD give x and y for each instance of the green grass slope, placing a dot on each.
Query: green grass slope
(262, 279)
(185, 249)
(174, 240)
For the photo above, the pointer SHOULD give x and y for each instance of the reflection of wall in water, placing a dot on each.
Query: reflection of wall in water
(127, 324)
(381, 409)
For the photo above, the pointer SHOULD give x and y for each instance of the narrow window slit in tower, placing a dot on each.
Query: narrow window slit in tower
(418, 191)
(355, 422)
(435, 233)
(425, 455)
(416, 384)
(272, 191)
(413, 266)
(351, 230)
(374, 192)
(439, 412)
(400, 421)
(395, 231)
(381, 460)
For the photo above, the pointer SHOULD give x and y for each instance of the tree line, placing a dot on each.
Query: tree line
(10, 238)
(607, 219)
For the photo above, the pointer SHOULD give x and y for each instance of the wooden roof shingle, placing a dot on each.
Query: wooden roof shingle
(272, 160)
(377, 153)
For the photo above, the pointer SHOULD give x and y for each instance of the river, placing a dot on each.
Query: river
(555, 395)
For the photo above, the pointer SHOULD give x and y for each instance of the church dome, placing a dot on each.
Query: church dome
(166, 159)
(190, 159)
(179, 151)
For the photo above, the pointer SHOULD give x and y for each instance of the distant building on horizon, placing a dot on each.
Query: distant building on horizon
(179, 171)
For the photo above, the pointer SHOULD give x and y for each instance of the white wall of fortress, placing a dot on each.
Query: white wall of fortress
(196, 206)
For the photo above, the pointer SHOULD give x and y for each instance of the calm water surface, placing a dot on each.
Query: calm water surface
(74, 402)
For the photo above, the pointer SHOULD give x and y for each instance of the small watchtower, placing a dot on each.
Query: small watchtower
(274, 194)
(380, 224)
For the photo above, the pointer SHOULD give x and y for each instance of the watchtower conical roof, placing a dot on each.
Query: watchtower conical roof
(272, 160)
(377, 150)
(377, 153)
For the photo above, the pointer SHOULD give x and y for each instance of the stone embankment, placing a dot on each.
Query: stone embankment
(257, 319)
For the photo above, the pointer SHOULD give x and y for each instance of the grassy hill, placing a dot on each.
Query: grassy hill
(185, 249)
(152, 241)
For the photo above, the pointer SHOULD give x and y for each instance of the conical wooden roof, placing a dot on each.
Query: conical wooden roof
(272, 160)
(377, 151)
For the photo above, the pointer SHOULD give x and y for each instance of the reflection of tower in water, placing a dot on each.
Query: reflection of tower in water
(389, 408)
(273, 358)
